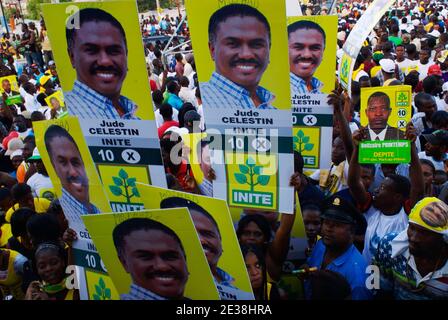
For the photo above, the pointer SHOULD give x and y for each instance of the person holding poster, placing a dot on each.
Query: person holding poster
(211, 240)
(306, 49)
(154, 256)
(67, 162)
(378, 111)
(98, 52)
(239, 43)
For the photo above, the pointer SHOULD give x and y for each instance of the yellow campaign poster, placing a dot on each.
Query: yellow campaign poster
(100, 286)
(9, 81)
(210, 216)
(385, 112)
(345, 70)
(312, 50)
(56, 100)
(242, 60)
(78, 187)
(102, 68)
(69, 165)
(85, 30)
(153, 254)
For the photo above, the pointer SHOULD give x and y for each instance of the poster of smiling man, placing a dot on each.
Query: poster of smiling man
(242, 60)
(105, 83)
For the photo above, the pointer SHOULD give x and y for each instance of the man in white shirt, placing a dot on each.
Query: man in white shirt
(423, 64)
(186, 94)
(401, 60)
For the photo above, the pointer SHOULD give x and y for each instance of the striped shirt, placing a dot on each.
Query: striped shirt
(220, 92)
(73, 209)
(86, 103)
(139, 293)
(399, 273)
(298, 85)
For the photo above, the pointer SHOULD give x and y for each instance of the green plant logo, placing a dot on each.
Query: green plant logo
(251, 174)
(102, 292)
(344, 69)
(301, 142)
(126, 184)
(402, 99)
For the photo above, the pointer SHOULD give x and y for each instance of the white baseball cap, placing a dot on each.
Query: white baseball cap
(387, 65)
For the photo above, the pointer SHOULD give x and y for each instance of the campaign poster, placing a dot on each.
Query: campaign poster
(213, 223)
(242, 60)
(385, 111)
(12, 81)
(312, 48)
(153, 255)
(103, 74)
(80, 192)
(356, 38)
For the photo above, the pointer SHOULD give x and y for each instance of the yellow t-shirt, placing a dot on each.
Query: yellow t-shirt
(41, 205)
(5, 234)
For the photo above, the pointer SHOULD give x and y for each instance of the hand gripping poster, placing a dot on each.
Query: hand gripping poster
(312, 48)
(213, 223)
(385, 112)
(241, 54)
(105, 83)
(80, 192)
(153, 255)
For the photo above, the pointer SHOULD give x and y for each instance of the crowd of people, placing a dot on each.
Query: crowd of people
(355, 215)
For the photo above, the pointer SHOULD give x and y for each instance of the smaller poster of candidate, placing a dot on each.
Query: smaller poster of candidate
(213, 223)
(67, 160)
(153, 255)
(312, 51)
(242, 60)
(385, 112)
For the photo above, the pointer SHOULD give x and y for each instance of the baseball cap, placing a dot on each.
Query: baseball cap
(44, 79)
(16, 153)
(438, 137)
(445, 87)
(13, 145)
(434, 70)
(387, 65)
(339, 209)
(51, 63)
(35, 156)
(410, 69)
(179, 131)
(12, 135)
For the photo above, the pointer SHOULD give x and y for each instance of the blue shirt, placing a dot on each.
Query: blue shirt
(220, 92)
(351, 265)
(174, 101)
(298, 85)
(86, 103)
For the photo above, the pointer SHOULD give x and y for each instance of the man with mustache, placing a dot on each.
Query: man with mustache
(239, 43)
(306, 41)
(211, 241)
(154, 256)
(69, 166)
(98, 52)
(378, 111)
